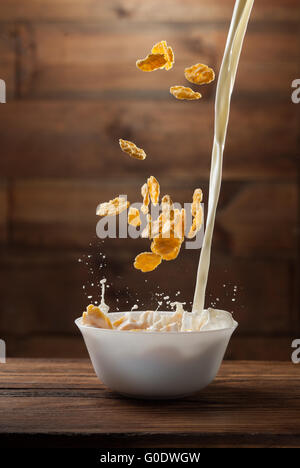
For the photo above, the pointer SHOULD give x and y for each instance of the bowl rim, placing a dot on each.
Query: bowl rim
(78, 323)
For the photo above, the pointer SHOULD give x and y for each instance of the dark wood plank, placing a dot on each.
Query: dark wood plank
(169, 10)
(25, 373)
(242, 347)
(3, 212)
(249, 403)
(258, 305)
(256, 206)
(8, 59)
(54, 213)
(48, 287)
(25, 66)
(97, 62)
(80, 139)
(58, 346)
(259, 347)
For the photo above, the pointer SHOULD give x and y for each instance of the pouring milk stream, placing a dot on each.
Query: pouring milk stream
(225, 85)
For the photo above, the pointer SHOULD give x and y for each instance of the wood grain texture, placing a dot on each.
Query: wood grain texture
(53, 213)
(245, 347)
(248, 404)
(97, 61)
(40, 291)
(73, 90)
(258, 206)
(8, 59)
(169, 10)
(51, 288)
(4, 210)
(80, 139)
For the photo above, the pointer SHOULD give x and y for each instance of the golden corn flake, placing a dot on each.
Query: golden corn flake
(154, 189)
(199, 74)
(181, 92)
(162, 56)
(171, 58)
(134, 218)
(197, 212)
(131, 149)
(113, 207)
(169, 221)
(130, 325)
(118, 322)
(146, 198)
(127, 323)
(168, 229)
(167, 248)
(152, 62)
(164, 224)
(95, 317)
(197, 199)
(167, 51)
(168, 214)
(147, 232)
(166, 204)
(183, 221)
(147, 261)
(157, 225)
(170, 327)
(179, 223)
(197, 223)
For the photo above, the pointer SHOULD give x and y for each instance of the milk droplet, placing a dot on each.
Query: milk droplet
(104, 307)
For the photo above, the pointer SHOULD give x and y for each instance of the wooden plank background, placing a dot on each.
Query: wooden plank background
(72, 91)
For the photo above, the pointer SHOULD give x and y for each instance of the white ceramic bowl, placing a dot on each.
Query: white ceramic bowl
(155, 364)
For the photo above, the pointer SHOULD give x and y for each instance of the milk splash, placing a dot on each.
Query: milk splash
(103, 306)
(225, 85)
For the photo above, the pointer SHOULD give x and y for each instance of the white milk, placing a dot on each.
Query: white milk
(225, 85)
(103, 306)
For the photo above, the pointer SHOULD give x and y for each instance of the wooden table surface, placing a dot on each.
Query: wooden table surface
(61, 403)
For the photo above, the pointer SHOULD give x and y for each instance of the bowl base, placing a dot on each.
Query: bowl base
(156, 397)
